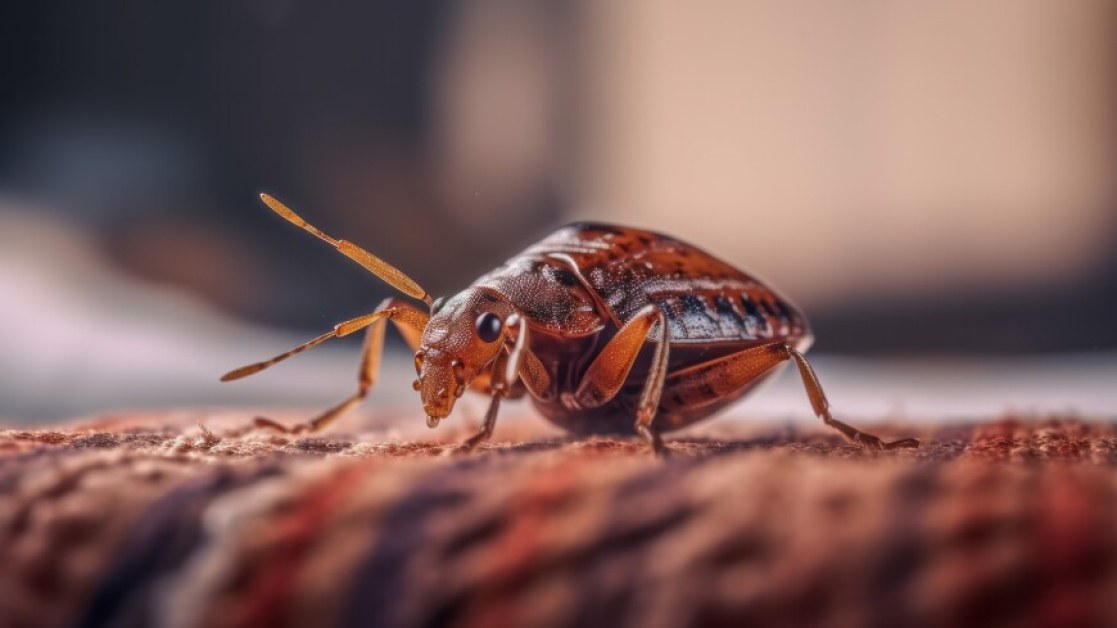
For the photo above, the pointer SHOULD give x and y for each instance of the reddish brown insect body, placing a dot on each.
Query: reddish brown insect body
(610, 330)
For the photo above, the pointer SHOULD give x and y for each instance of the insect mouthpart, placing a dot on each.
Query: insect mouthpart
(439, 386)
(459, 375)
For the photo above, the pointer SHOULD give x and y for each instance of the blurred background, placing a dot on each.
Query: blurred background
(933, 183)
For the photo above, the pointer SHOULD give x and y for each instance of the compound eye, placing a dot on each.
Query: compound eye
(437, 305)
(489, 326)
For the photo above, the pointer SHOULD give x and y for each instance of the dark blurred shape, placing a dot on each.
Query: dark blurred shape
(1076, 315)
(153, 125)
(921, 179)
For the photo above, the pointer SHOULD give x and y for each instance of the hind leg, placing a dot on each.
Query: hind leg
(705, 383)
(822, 409)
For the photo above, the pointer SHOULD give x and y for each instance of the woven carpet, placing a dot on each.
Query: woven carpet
(137, 520)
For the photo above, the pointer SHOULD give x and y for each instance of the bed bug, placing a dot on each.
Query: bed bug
(609, 330)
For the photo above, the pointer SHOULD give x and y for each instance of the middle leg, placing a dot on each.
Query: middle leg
(609, 370)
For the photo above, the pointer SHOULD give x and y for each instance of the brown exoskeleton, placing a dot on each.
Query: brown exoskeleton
(609, 329)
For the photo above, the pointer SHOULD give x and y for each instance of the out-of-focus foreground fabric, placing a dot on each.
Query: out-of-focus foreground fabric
(171, 520)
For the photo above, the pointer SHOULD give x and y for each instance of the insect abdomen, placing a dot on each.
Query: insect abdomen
(704, 298)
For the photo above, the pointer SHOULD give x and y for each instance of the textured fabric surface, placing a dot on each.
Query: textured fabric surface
(139, 520)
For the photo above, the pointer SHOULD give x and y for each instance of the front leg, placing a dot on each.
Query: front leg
(506, 369)
(499, 390)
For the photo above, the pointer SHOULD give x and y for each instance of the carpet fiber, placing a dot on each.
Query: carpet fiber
(135, 520)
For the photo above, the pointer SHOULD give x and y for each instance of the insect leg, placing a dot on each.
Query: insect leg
(707, 382)
(653, 388)
(506, 370)
(822, 409)
(407, 319)
(533, 375)
(370, 358)
(609, 370)
(605, 376)
(498, 392)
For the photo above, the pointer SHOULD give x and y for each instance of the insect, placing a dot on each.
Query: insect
(609, 330)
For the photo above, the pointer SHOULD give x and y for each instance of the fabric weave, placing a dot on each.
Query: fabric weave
(144, 520)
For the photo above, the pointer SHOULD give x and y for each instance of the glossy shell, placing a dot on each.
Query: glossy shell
(577, 286)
